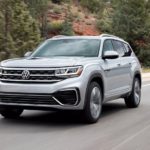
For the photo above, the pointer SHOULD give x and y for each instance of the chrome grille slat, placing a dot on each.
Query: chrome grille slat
(31, 81)
(27, 99)
(5, 68)
(34, 75)
(37, 75)
(11, 74)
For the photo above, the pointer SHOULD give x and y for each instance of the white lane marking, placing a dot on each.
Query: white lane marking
(146, 85)
(133, 136)
(130, 138)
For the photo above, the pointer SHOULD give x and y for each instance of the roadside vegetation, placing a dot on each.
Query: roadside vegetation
(146, 70)
(24, 24)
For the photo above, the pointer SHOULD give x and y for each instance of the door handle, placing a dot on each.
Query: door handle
(130, 64)
(113, 68)
(116, 66)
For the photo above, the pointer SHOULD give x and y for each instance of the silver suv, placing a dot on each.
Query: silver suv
(71, 73)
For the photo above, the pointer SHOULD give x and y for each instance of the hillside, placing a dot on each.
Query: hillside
(24, 24)
(82, 21)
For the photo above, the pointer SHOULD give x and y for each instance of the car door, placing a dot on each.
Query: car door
(129, 60)
(112, 72)
(124, 67)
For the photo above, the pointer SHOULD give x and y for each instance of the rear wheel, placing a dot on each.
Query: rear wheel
(11, 113)
(93, 107)
(133, 100)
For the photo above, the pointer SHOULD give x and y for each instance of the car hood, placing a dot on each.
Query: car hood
(46, 62)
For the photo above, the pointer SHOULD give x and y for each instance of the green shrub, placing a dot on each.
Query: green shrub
(56, 1)
(67, 28)
(92, 5)
(55, 26)
(104, 22)
(57, 10)
(63, 28)
(143, 54)
(59, 1)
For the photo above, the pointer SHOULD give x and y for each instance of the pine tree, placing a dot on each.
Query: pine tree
(38, 10)
(133, 24)
(104, 23)
(131, 21)
(19, 31)
(93, 5)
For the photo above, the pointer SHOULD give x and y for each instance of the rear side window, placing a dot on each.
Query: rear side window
(128, 50)
(108, 46)
(119, 47)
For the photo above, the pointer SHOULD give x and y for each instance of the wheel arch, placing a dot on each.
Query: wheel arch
(137, 74)
(96, 77)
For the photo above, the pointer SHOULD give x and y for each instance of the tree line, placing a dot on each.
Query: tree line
(19, 31)
(130, 20)
(23, 23)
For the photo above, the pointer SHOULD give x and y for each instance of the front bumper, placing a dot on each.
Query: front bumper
(66, 95)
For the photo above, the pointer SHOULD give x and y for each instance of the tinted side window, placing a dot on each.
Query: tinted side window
(108, 46)
(118, 46)
(128, 50)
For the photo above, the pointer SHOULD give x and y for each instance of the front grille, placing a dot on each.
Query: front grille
(34, 75)
(27, 99)
(68, 97)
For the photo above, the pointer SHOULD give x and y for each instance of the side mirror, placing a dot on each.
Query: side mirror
(110, 55)
(27, 54)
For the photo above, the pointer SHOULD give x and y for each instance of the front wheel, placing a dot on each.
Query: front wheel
(11, 113)
(133, 100)
(93, 107)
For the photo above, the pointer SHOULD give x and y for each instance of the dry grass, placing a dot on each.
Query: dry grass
(145, 70)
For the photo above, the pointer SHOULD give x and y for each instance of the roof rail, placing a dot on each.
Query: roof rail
(58, 36)
(109, 35)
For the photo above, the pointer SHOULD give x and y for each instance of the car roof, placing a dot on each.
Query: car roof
(102, 36)
(76, 37)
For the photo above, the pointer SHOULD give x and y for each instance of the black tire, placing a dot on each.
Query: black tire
(11, 113)
(133, 101)
(87, 112)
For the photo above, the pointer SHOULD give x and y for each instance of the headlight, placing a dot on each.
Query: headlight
(69, 71)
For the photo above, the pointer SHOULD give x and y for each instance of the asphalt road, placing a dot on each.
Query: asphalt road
(119, 128)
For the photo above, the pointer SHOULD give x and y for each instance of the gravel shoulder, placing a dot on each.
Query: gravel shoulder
(146, 76)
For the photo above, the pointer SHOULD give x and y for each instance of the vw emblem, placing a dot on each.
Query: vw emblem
(25, 75)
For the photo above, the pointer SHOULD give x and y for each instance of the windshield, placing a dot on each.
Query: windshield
(69, 48)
